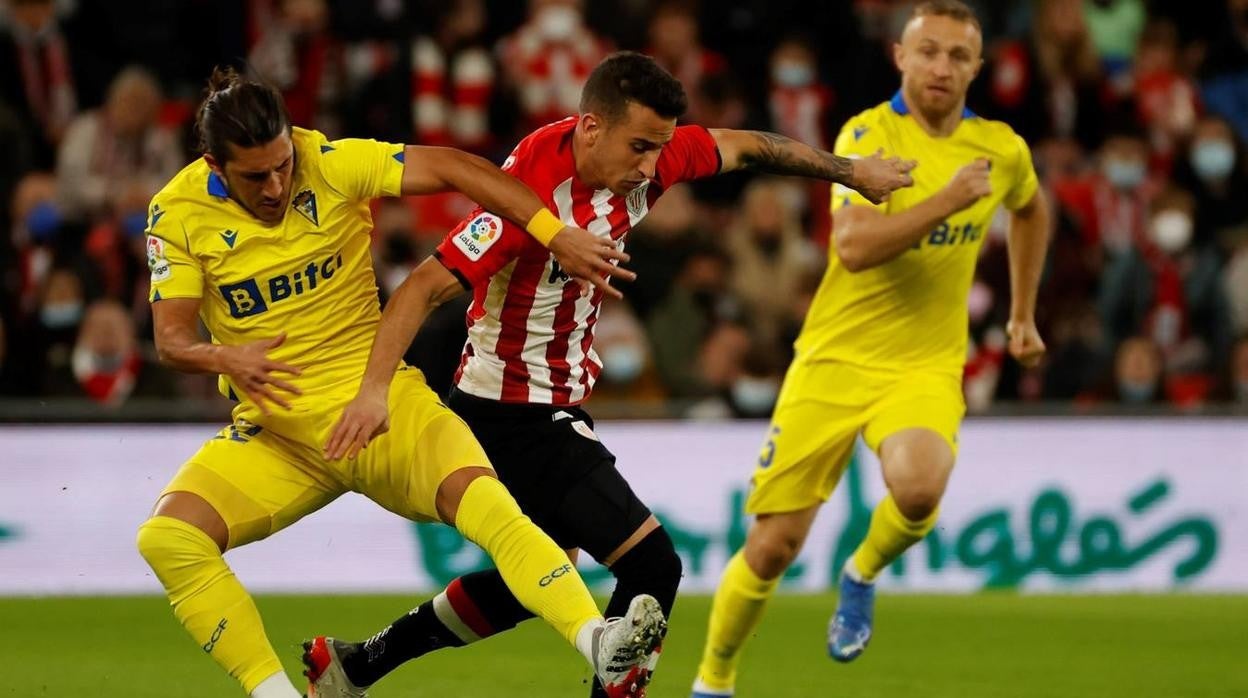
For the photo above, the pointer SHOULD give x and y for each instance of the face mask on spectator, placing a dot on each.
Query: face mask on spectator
(1171, 231)
(1213, 160)
(43, 221)
(1136, 393)
(754, 396)
(558, 22)
(58, 316)
(789, 74)
(622, 363)
(1124, 174)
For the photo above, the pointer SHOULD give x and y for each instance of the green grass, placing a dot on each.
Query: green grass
(985, 645)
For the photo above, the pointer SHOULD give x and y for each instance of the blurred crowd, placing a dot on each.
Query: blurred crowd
(1136, 111)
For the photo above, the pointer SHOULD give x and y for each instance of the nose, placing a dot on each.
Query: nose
(272, 187)
(942, 67)
(649, 164)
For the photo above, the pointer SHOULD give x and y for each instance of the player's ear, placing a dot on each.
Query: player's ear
(898, 55)
(213, 164)
(591, 126)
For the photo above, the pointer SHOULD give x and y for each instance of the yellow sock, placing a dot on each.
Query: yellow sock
(208, 600)
(888, 537)
(736, 611)
(536, 571)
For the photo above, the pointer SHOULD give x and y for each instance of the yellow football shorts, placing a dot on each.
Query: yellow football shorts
(262, 479)
(822, 408)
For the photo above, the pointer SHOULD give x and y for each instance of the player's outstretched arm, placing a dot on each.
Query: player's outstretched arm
(1028, 239)
(367, 416)
(865, 237)
(874, 177)
(247, 366)
(581, 254)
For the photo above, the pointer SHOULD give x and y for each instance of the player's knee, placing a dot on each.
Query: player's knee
(918, 499)
(652, 567)
(770, 552)
(163, 541)
(452, 489)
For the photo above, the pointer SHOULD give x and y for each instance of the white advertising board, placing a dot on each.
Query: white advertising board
(1035, 504)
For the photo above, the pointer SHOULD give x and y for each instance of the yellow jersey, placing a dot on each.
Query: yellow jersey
(309, 275)
(910, 313)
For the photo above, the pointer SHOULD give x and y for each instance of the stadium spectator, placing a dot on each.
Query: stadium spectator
(293, 49)
(697, 351)
(771, 258)
(628, 371)
(675, 45)
(1050, 83)
(1138, 373)
(1114, 27)
(1165, 98)
(547, 60)
(39, 234)
(1224, 74)
(1214, 172)
(453, 80)
(1110, 206)
(1169, 292)
(800, 105)
(37, 76)
(109, 151)
(107, 364)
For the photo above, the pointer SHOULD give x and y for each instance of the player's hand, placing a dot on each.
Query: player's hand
(878, 177)
(250, 370)
(588, 259)
(364, 419)
(970, 184)
(1025, 343)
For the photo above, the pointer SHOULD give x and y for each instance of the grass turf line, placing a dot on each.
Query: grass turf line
(985, 645)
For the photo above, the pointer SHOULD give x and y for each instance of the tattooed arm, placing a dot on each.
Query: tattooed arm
(874, 177)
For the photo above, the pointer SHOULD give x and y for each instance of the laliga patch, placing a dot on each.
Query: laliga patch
(583, 429)
(156, 262)
(480, 233)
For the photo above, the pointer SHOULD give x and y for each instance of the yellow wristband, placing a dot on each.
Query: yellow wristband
(544, 225)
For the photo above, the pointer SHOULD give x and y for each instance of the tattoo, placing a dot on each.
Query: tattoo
(784, 156)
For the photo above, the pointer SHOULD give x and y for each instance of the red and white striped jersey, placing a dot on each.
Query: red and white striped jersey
(530, 331)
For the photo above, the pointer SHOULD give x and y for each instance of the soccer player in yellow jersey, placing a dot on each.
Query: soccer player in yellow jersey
(882, 349)
(266, 240)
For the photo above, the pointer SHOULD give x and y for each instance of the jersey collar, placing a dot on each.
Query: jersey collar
(899, 106)
(216, 187)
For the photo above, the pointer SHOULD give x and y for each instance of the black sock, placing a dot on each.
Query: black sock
(421, 631)
(651, 567)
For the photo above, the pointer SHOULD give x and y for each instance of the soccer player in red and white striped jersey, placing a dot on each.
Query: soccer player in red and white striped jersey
(529, 362)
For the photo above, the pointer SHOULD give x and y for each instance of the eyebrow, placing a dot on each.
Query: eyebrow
(261, 173)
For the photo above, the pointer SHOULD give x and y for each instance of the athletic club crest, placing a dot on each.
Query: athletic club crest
(305, 203)
(636, 200)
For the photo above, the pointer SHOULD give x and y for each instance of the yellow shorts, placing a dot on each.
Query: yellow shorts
(264, 478)
(822, 408)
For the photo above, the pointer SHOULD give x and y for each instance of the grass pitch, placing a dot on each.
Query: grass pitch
(986, 645)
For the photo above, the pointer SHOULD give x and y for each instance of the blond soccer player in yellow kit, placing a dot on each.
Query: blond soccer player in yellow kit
(266, 240)
(884, 343)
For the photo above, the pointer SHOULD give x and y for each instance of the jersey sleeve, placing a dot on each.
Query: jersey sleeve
(481, 245)
(858, 139)
(176, 273)
(1025, 181)
(361, 168)
(691, 154)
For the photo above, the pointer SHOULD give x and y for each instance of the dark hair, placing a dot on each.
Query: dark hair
(953, 9)
(628, 76)
(239, 111)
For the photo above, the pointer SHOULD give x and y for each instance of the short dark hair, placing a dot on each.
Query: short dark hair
(628, 76)
(953, 9)
(239, 111)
